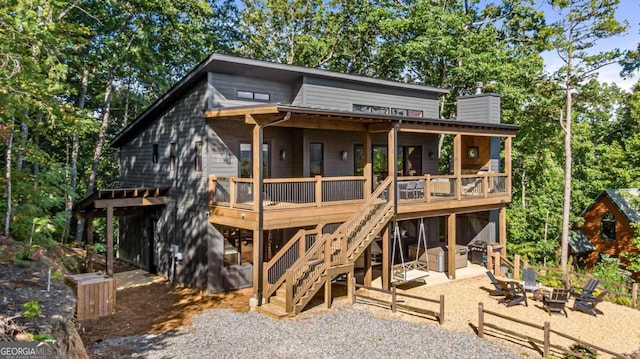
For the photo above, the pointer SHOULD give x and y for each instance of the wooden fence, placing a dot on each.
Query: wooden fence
(546, 332)
(394, 304)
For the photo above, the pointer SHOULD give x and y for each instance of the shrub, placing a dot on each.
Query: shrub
(31, 309)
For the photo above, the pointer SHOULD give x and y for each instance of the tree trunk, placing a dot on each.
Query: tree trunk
(73, 166)
(91, 182)
(24, 130)
(7, 217)
(566, 210)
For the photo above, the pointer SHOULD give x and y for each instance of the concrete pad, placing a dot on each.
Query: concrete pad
(136, 278)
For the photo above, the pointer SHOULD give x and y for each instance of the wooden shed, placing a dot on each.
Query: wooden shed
(96, 294)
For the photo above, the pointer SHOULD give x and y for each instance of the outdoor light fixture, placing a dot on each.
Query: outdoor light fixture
(283, 155)
(343, 155)
(430, 155)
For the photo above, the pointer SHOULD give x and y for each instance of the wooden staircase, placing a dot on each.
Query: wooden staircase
(310, 259)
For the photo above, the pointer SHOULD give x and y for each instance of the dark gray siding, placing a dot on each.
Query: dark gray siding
(225, 89)
(342, 95)
(484, 108)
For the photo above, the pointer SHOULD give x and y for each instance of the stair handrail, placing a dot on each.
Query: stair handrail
(316, 251)
(295, 273)
(300, 239)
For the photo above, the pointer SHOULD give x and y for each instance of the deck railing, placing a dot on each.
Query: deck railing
(281, 193)
(285, 258)
(284, 193)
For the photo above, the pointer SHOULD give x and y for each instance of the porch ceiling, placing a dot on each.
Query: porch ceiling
(313, 118)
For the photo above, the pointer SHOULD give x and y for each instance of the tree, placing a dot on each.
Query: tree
(583, 23)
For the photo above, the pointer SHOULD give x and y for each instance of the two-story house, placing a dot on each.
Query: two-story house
(282, 176)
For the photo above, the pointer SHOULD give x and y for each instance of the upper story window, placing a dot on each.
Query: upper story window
(154, 156)
(608, 226)
(382, 110)
(173, 153)
(198, 159)
(251, 95)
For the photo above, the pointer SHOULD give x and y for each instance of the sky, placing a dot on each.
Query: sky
(628, 10)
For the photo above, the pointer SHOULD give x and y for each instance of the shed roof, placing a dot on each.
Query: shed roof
(579, 243)
(621, 197)
(227, 64)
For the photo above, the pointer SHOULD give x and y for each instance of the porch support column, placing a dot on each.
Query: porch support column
(502, 230)
(368, 268)
(109, 240)
(457, 163)
(393, 166)
(507, 164)
(258, 234)
(451, 244)
(368, 165)
(386, 256)
(89, 246)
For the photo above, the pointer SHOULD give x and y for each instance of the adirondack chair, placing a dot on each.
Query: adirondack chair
(515, 294)
(589, 305)
(529, 280)
(500, 287)
(586, 293)
(555, 301)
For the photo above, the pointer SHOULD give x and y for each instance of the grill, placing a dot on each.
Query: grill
(478, 252)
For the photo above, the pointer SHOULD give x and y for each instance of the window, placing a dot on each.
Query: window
(608, 226)
(172, 156)
(250, 95)
(154, 156)
(316, 159)
(246, 160)
(409, 161)
(382, 110)
(198, 159)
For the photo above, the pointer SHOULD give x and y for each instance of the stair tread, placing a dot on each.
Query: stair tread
(273, 311)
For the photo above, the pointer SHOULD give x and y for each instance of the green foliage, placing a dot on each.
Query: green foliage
(57, 275)
(581, 351)
(41, 338)
(31, 309)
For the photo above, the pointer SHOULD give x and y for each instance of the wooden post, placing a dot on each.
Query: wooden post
(480, 320)
(318, 191)
(441, 317)
(256, 257)
(392, 166)
(109, 240)
(547, 339)
(367, 171)
(368, 267)
(516, 266)
(232, 191)
(457, 164)
(89, 230)
(502, 223)
(496, 262)
(289, 291)
(427, 187)
(451, 243)
(634, 295)
(507, 163)
(490, 257)
(386, 255)
(393, 299)
(352, 290)
(327, 292)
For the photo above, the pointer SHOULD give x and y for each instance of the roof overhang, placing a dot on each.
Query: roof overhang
(305, 117)
(125, 200)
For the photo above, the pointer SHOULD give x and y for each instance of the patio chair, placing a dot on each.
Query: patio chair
(555, 301)
(408, 192)
(586, 293)
(589, 305)
(500, 287)
(515, 294)
(529, 280)
(419, 192)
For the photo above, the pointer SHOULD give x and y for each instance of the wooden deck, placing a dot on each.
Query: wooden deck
(298, 202)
